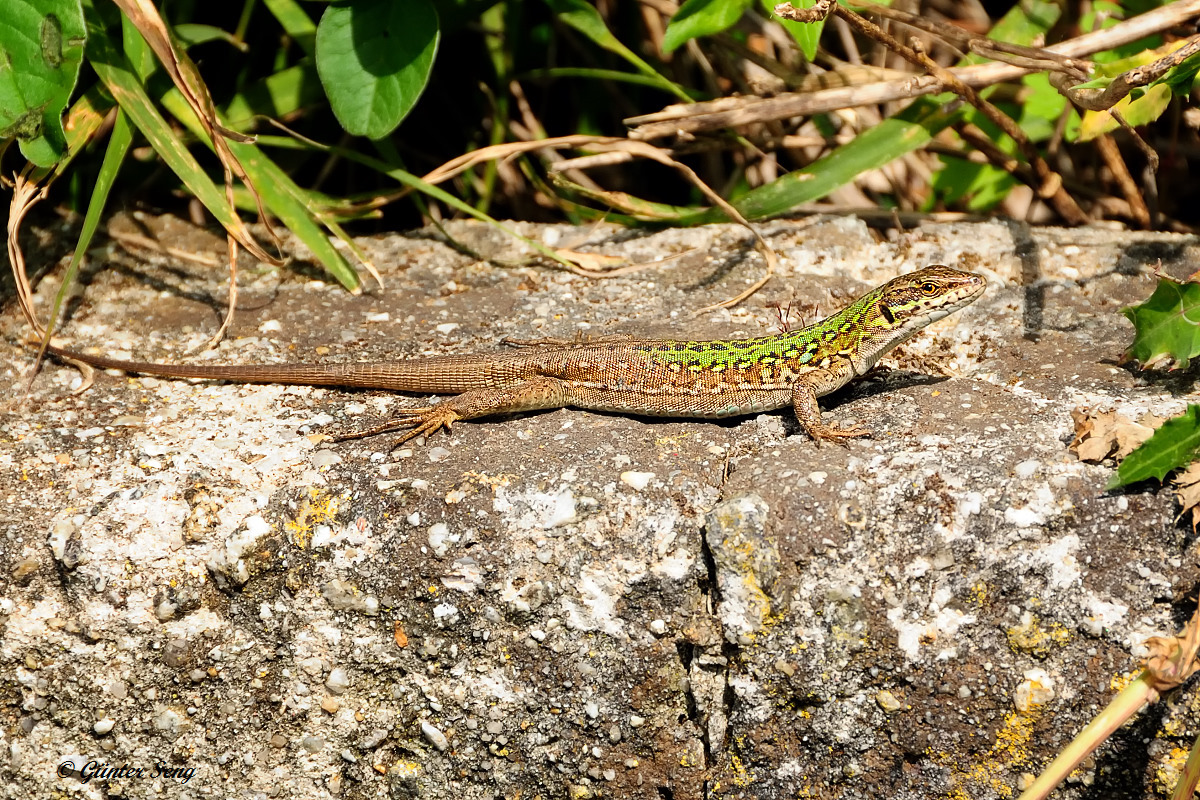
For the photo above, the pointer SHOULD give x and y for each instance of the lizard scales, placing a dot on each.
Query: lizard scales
(653, 377)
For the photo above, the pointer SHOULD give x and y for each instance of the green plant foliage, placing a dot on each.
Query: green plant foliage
(1166, 326)
(41, 49)
(702, 18)
(1144, 104)
(374, 58)
(1105, 14)
(981, 185)
(1174, 445)
(584, 18)
(1041, 106)
(806, 34)
(908, 130)
(1141, 110)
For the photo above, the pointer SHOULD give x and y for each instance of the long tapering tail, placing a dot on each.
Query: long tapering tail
(435, 374)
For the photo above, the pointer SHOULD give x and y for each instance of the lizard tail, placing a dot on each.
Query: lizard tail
(435, 374)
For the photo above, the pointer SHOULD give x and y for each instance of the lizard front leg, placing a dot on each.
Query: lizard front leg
(529, 395)
(804, 401)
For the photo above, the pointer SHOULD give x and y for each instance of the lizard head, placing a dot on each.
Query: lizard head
(912, 301)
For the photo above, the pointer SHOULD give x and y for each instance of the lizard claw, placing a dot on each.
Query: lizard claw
(421, 421)
(842, 436)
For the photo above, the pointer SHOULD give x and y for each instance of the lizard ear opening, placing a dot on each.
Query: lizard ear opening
(887, 314)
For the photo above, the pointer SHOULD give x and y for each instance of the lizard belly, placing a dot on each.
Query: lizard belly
(641, 379)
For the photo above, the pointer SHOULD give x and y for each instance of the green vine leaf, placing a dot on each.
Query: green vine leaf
(41, 50)
(1166, 326)
(1174, 445)
(374, 58)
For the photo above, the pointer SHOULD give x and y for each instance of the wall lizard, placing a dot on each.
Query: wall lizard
(651, 377)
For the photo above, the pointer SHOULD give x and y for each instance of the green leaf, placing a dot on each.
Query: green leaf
(1140, 110)
(191, 34)
(983, 185)
(126, 88)
(114, 156)
(295, 207)
(1041, 106)
(912, 128)
(702, 18)
(806, 34)
(1103, 14)
(1174, 445)
(374, 58)
(908, 130)
(1166, 326)
(584, 18)
(295, 21)
(278, 96)
(1181, 76)
(41, 48)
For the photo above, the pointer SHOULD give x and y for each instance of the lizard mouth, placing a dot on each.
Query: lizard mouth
(966, 295)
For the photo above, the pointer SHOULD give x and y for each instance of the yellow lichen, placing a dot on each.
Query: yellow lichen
(317, 509)
(1009, 751)
(1119, 682)
(1030, 636)
(1169, 771)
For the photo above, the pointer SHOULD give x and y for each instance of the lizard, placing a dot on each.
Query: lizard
(649, 377)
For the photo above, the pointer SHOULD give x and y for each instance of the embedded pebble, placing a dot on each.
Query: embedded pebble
(323, 459)
(888, 702)
(435, 737)
(338, 681)
(440, 539)
(637, 480)
(342, 596)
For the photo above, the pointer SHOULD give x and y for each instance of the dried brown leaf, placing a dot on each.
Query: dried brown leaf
(1172, 659)
(1187, 491)
(1100, 434)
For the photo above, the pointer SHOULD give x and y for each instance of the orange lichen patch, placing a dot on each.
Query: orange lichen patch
(1119, 682)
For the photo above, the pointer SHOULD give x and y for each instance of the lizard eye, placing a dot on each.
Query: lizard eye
(928, 288)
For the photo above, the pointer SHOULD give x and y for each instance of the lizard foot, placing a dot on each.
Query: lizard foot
(420, 421)
(842, 436)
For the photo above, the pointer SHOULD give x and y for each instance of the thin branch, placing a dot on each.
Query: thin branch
(695, 118)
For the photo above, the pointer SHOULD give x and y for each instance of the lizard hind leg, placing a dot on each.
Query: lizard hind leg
(528, 395)
(419, 421)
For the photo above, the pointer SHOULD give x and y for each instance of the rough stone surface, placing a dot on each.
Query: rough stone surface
(571, 604)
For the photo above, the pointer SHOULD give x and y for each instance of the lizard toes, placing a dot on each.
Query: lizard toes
(425, 421)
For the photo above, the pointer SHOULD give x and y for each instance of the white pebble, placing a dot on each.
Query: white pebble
(338, 681)
(637, 480)
(435, 737)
